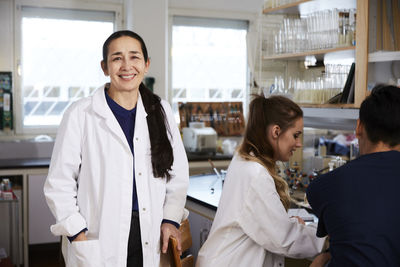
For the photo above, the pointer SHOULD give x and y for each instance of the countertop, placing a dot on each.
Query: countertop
(205, 156)
(45, 162)
(24, 163)
(200, 190)
(206, 190)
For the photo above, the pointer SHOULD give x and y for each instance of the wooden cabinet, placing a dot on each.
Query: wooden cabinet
(292, 61)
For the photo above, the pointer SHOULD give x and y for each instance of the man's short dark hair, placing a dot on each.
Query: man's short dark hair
(380, 115)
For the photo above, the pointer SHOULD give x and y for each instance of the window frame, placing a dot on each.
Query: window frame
(18, 111)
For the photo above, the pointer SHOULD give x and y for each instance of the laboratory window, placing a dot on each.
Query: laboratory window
(59, 60)
(209, 60)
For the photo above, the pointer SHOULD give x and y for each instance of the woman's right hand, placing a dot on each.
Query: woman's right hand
(321, 260)
(80, 237)
(300, 220)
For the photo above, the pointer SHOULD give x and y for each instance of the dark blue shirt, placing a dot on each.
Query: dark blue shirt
(126, 119)
(358, 207)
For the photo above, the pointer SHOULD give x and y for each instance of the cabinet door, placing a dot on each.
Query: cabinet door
(199, 228)
(40, 217)
(9, 227)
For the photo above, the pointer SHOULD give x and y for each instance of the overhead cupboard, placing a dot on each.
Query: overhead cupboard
(325, 54)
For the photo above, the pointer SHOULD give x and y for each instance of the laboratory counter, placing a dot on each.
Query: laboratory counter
(206, 156)
(206, 189)
(24, 163)
(45, 162)
(35, 229)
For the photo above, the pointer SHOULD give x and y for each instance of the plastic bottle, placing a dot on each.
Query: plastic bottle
(331, 164)
(1, 189)
(341, 28)
(6, 189)
(2, 185)
(348, 33)
(7, 185)
(353, 29)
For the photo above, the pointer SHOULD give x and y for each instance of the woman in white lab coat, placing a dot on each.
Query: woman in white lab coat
(119, 173)
(251, 226)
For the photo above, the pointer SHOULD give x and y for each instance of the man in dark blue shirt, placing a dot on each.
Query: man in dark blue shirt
(357, 204)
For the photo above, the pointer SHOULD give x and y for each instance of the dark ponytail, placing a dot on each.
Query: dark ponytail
(162, 156)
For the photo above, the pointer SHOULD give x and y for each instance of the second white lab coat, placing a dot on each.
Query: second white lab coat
(251, 226)
(90, 184)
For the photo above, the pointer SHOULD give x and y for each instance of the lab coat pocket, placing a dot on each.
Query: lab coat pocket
(85, 254)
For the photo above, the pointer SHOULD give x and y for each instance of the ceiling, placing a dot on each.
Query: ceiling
(252, 6)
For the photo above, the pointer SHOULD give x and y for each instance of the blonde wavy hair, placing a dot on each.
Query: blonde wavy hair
(264, 112)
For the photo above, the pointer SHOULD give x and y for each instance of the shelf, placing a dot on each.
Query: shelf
(302, 55)
(337, 55)
(383, 56)
(308, 6)
(288, 8)
(338, 106)
(336, 117)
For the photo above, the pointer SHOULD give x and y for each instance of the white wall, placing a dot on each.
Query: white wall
(7, 35)
(149, 19)
(248, 6)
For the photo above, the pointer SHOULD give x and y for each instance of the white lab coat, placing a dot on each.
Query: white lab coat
(251, 226)
(90, 184)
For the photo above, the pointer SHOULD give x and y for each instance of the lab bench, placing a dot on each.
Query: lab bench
(34, 214)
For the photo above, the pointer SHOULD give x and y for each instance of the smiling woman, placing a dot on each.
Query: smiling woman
(119, 174)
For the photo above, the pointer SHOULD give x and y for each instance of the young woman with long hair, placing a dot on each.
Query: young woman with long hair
(251, 226)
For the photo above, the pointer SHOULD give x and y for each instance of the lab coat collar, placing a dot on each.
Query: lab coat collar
(100, 107)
